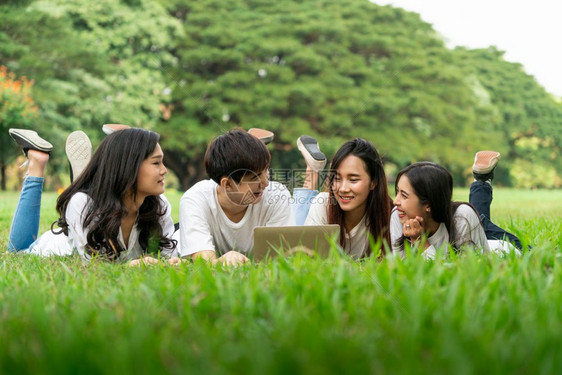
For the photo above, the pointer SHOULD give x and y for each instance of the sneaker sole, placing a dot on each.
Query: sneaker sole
(263, 135)
(78, 151)
(485, 162)
(30, 140)
(309, 145)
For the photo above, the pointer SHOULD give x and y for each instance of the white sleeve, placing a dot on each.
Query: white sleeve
(280, 212)
(395, 231)
(167, 224)
(75, 210)
(469, 229)
(318, 213)
(195, 232)
(49, 244)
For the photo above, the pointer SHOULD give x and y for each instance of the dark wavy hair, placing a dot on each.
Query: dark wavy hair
(378, 201)
(109, 176)
(433, 185)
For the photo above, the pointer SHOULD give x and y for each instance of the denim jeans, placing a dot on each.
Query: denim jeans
(25, 224)
(481, 198)
(302, 200)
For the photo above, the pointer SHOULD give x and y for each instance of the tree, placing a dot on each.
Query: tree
(331, 69)
(44, 47)
(17, 109)
(529, 119)
(334, 69)
(93, 62)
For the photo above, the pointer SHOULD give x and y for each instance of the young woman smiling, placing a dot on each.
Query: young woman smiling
(425, 216)
(113, 210)
(357, 197)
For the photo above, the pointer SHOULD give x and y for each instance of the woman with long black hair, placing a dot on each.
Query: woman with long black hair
(114, 210)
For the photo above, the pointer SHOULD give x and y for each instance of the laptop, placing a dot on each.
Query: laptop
(270, 242)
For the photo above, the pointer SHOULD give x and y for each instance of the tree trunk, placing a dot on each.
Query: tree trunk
(189, 171)
(3, 177)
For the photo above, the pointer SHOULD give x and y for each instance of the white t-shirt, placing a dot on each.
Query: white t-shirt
(356, 241)
(60, 244)
(205, 226)
(469, 231)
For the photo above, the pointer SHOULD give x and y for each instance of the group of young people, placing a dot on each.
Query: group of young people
(115, 207)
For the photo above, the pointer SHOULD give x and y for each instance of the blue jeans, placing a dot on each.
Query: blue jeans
(302, 199)
(25, 224)
(481, 198)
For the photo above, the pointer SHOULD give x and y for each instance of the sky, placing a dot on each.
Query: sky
(529, 32)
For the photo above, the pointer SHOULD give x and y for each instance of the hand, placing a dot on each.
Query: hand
(233, 258)
(413, 228)
(174, 261)
(208, 255)
(145, 261)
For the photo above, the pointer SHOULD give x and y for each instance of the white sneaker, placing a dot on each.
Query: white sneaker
(30, 140)
(110, 128)
(79, 153)
(308, 146)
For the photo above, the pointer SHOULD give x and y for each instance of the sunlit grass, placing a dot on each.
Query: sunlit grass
(464, 314)
(519, 204)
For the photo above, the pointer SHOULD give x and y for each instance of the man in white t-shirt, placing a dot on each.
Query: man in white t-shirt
(218, 216)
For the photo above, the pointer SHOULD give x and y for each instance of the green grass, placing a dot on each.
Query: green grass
(466, 314)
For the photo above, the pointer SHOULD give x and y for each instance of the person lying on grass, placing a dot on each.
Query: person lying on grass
(357, 195)
(426, 218)
(114, 209)
(218, 216)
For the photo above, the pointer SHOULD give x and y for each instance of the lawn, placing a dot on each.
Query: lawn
(465, 314)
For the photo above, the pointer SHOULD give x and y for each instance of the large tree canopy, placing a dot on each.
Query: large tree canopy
(529, 119)
(17, 109)
(93, 62)
(331, 69)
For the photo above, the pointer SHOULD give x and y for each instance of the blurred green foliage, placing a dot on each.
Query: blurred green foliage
(16, 108)
(332, 69)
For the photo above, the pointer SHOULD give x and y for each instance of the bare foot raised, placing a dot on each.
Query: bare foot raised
(37, 163)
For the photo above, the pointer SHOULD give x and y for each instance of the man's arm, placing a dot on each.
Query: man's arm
(231, 258)
(196, 239)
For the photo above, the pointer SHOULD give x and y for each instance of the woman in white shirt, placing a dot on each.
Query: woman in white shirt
(114, 210)
(425, 216)
(356, 197)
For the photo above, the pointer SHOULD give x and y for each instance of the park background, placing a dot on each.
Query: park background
(335, 70)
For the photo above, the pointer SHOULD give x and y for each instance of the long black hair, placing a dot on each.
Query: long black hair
(109, 176)
(433, 185)
(378, 202)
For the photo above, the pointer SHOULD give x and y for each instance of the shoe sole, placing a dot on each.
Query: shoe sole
(263, 135)
(485, 162)
(30, 140)
(309, 145)
(79, 152)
